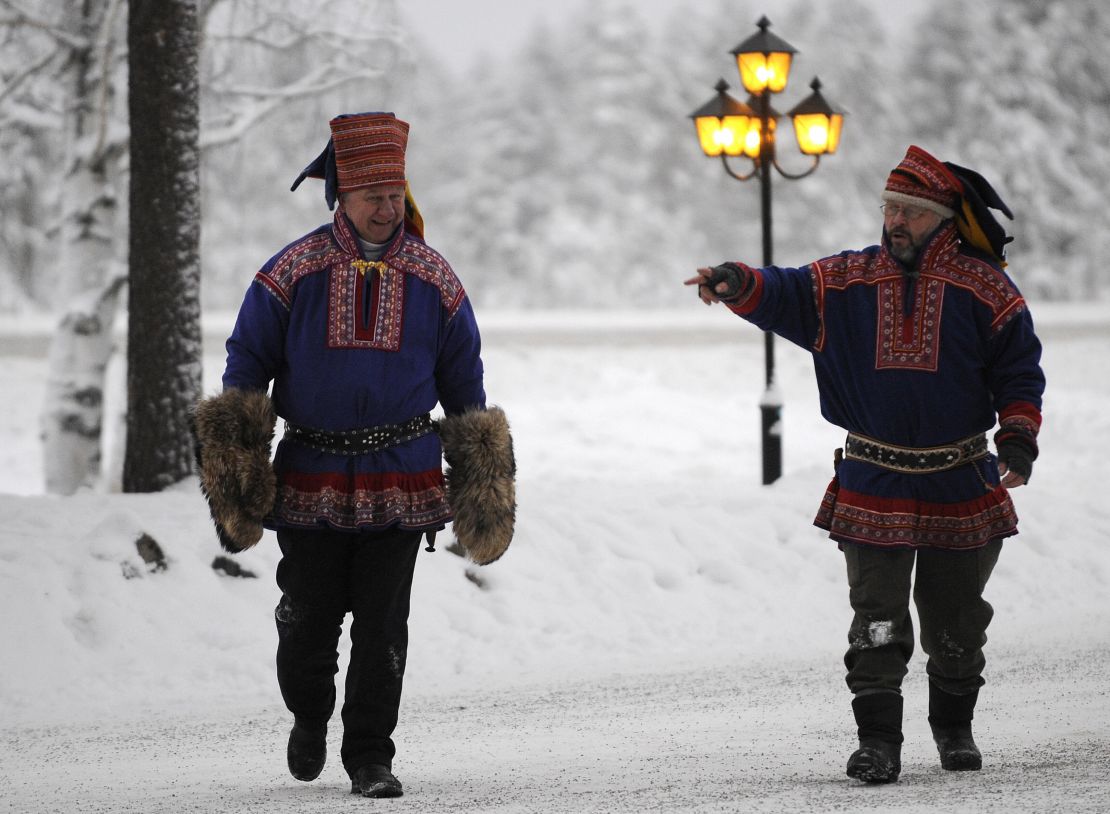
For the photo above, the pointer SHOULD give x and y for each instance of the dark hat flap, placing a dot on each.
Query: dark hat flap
(976, 223)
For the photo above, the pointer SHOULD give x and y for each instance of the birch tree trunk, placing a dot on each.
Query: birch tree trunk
(73, 419)
(90, 247)
(164, 340)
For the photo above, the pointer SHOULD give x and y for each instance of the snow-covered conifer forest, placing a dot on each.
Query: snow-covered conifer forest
(569, 175)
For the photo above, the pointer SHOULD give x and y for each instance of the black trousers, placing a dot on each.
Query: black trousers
(323, 575)
(948, 592)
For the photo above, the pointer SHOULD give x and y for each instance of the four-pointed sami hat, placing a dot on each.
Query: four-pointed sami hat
(921, 180)
(365, 149)
(952, 191)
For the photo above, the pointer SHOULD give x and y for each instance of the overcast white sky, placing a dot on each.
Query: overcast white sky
(462, 30)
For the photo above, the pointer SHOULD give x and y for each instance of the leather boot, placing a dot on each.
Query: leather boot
(375, 780)
(307, 750)
(879, 721)
(950, 719)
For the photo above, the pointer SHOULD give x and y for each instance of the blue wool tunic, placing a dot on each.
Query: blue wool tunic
(914, 361)
(351, 344)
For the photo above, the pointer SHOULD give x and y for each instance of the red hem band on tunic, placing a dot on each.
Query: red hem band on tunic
(363, 501)
(851, 517)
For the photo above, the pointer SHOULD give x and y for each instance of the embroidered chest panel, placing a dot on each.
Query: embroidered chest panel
(908, 333)
(366, 300)
(365, 306)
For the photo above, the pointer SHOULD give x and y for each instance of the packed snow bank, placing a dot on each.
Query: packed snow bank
(644, 543)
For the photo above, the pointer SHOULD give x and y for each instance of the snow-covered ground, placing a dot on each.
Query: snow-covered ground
(665, 633)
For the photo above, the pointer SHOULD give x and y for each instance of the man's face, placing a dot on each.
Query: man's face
(908, 227)
(375, 211)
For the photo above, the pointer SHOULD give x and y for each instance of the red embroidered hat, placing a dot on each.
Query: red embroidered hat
(369, 150)
(921, 180)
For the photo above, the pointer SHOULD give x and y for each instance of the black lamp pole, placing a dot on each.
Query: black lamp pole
(722, 126)
(770, 406)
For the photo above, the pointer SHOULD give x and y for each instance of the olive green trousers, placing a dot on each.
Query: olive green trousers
(947, 589)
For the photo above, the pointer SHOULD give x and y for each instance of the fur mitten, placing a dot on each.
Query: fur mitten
(481, 489)
(233, 432)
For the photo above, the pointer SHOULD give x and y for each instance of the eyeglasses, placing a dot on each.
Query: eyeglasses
(893, 210)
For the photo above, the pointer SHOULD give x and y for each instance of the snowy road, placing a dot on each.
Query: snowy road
(766, 738)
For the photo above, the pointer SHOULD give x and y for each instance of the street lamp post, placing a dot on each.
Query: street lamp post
(727, 127)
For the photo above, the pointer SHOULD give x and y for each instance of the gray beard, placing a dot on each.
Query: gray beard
(906, 256)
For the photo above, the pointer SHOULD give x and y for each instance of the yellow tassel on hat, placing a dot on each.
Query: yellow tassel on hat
(973, 233)
(412, 213)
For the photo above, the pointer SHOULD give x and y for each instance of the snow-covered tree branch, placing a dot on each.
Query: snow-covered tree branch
(63, 80)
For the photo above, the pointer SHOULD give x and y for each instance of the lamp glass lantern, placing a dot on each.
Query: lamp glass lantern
(816, 123)
(727, 134)
(763, 60)
(723, 124)
(753, 142)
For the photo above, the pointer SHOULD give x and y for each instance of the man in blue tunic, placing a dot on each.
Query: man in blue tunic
(363, 329)
(920, 346)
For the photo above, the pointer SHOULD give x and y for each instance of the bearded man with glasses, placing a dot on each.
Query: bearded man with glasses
(921, 345)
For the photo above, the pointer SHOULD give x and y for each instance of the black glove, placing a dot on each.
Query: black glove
(1017, 457)
(739, 280)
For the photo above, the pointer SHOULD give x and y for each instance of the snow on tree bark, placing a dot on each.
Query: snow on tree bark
(89, 245)
(73, 414)
(164, 340)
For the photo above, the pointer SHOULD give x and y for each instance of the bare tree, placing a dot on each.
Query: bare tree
(63, 95)
(163, 337)
(262, 56)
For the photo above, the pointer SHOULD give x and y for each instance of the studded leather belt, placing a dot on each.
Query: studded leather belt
(915, 460)
(362, 441)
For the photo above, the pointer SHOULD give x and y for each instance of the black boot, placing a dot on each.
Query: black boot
(375, 780)
(950, 719)
(308, 749)
(879, 719)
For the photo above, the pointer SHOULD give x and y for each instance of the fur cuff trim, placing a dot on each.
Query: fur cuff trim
(233, 432)
(481, 481)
